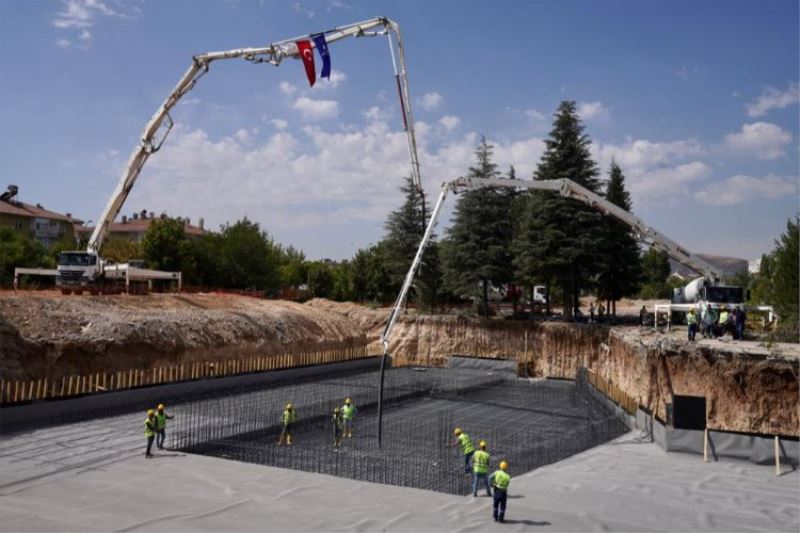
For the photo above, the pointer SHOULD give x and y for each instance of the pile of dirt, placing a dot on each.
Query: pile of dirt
(55, 336)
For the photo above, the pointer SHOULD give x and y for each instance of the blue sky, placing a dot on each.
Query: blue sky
(697, 101)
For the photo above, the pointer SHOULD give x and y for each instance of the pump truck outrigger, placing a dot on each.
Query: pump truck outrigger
(86, 270)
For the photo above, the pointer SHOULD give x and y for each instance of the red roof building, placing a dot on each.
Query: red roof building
(135, 226)
(48, 227)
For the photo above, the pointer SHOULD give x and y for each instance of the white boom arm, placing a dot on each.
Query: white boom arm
(568, 189)
(272, 54)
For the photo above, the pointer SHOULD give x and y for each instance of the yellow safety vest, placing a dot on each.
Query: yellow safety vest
(480, 462)
(691, 318)
(348, 412)
(148, 427)
(501, 480)
(466, 443)
(288, 417)
(161, 421)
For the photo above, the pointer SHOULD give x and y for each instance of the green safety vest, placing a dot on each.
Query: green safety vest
(161, 421)
(348, 411)
(480, 462)
(723, 317)
(691, 318)
(466, 443)
(288, 417)
(148, 427)
(500, 480)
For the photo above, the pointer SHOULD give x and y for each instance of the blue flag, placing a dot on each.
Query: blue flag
(322, 47)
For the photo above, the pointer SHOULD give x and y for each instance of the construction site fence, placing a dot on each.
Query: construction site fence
(17, 391)
(611, 391)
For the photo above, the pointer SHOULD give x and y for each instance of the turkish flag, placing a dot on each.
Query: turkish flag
(307, 55)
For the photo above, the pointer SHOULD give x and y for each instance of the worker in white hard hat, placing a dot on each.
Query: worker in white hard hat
(288, 418)
(348, 416)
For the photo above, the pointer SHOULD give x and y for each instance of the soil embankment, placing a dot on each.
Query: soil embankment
(747, 387)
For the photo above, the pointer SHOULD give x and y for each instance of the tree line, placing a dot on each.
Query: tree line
(498, 237)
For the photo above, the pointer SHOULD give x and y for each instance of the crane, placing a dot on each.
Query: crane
(709, 274)
(82, 268)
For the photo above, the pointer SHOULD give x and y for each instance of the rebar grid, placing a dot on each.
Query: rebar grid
(527, 423)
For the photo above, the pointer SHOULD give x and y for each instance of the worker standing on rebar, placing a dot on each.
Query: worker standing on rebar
(691, 320)
(150, 431)
(161, 426)
(338, 427)
(499, 481)
(348, 414)
(288, 418)
(480, 469)
(463, 440)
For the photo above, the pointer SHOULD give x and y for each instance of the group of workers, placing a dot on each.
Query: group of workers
(342, 419)
(155, 428)
(498, 480)
(715, 323)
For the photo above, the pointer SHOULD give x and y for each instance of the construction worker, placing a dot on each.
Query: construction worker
(480, 469)
(338, 427)
(723, 321)
(348, 414)
(499, 481)
(691, 320)
(463, 440)
(161, 426)
(288, 418)
(150, 431)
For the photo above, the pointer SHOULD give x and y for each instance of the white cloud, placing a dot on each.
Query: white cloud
(655, 171)
(376, 113)
(761, 139)
(287, 88)
(298, 8)
(449, 122)
(63, 43)
(773, 98)
(279, 123)
(592, 111)
(80, 15)
(337, 77)
(430, 101)
(312, 109)
(535, 114)
(739, 189)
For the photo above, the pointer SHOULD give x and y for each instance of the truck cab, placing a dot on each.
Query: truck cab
(76, 271)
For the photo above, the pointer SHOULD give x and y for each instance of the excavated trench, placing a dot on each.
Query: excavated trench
(746, 387)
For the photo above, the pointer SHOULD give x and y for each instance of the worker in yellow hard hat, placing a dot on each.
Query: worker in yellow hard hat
(150, 431)
(348, 415)
(480, 469)
(288, 418)
(338, 427)
(467, 448)
(499, 481)
(161, 425)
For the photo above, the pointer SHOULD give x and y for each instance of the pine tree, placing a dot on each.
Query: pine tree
(404, 230)
(559, 238)
(785, 285)
(477, 254)
(621, 268)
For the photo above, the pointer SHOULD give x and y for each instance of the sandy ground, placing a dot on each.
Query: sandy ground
(92, 477)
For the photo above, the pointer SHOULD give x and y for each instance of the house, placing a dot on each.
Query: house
(47, 227)
(135, 226)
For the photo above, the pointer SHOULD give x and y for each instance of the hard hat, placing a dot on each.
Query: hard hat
(150, 412)
(289, 406)
(457, 431)
(347, 401)
(161, 407)
(503, 465)
(482, 444)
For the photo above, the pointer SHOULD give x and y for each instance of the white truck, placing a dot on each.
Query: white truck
(82, 270)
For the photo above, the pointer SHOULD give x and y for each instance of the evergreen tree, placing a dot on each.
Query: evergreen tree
(655, 271)
(477, 254)
(785, 285)
(621, 268)
(559, 238)
(404, 230)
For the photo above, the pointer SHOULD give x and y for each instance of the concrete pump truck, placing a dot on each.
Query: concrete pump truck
(86, 270)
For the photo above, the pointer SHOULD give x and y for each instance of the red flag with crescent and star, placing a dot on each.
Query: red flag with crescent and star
(307, 55)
